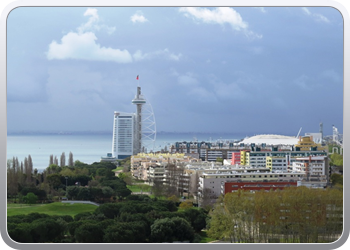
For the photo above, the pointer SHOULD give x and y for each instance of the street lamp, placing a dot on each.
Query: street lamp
(66, 187)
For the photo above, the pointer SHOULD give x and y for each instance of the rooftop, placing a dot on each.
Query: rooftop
(271, 139)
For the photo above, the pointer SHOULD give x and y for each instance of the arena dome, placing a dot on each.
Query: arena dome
(270, 139)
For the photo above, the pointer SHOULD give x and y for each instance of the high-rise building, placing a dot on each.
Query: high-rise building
(123, 135)
(132, 132)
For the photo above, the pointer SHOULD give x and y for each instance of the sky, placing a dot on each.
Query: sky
(248, 70)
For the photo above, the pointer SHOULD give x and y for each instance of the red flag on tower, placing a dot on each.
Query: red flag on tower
(137, 77)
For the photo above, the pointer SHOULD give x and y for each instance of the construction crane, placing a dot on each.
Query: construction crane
(298, 133)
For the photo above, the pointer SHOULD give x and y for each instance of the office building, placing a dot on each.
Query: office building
(123, 135)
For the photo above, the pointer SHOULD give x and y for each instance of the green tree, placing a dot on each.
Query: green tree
(173, 198)
(196, 217)
(183, 230)
(38, 192)
(186, 204)
(122, 192)
(157, 188)
(30, 198)
(54, 180)
(72, 192)
(96, 193)
(53, 169)
(336, 179)
(84, 193)
(107, 192)
(82, 216)
(12, 177)
(70, 160)
(221, 223)
(171, 229)
(130, 232)
(336, 160)
(219, 159)
(46, 230)
(126, 177)
(20, 232)
(207, 199)
(162, 230)
(89, 233)
(110, 210)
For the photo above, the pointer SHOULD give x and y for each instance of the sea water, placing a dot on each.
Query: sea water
(87, 148)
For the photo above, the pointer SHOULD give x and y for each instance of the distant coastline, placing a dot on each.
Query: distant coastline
(108, 133)
(217, 135)
(59, 133)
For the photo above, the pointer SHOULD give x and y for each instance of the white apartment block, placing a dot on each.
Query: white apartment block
(277, 163)
(314, 165)
(145, 166)
(213, 180)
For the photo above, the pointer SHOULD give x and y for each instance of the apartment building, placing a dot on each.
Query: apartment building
(151, 166)
(234, 186)
(212, 181)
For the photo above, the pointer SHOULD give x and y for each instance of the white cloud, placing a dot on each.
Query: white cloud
(257, 50)
(321, 18)
(252, 35)
(232, 90)
(262, 9)
(229, 91)
(201, 94)
(138, 17)
(188, 79)
(303, 82)
(317, 17)
(83, 46)
(139, 56)
(332, 75)
(93, 23)
(306, 11)
(173, 72)
(222, 16)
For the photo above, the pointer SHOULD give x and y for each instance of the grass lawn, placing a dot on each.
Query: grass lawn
(139, 188)
(117, 169)
(56, 208)
(137, 181)
(205, 238)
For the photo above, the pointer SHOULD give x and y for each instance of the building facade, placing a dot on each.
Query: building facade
(123, 135)
(127, 131)
(228, 187)
(213, 181)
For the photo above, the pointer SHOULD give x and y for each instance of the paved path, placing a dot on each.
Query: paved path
(148, 193)
(84, 202)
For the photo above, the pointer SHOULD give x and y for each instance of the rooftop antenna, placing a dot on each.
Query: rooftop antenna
(299, 132)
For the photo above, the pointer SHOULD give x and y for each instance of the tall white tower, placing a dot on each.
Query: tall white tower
(123, 131)
(133, 132)
(138, 101)
(335, 135)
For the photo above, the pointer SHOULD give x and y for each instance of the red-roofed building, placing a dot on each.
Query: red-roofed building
(228, 187)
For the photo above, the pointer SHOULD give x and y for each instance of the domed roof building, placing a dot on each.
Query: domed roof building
(271, 139)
